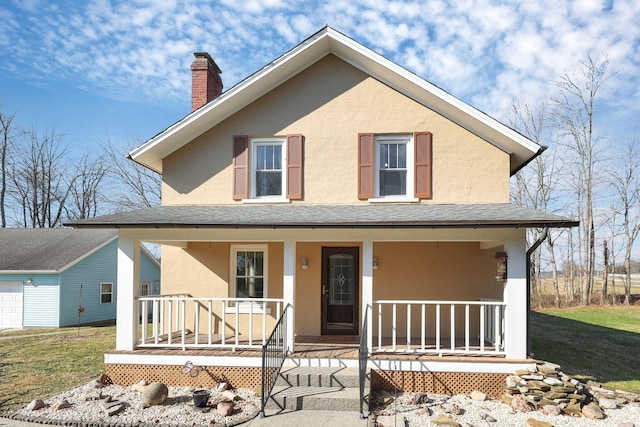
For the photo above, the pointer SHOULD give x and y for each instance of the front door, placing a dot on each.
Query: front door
(340, 278)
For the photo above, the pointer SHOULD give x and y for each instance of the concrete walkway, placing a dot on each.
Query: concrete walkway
(308, 418)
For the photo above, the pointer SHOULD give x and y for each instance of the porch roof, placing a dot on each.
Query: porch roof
(330, 216)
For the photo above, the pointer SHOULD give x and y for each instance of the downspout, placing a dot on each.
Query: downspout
(536, 244)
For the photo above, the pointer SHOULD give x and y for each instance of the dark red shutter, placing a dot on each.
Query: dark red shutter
(240, 167)
(422, 176)
(294, 167)
(366, 164)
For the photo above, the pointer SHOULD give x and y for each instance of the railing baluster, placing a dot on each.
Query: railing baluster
(408, 327)
(170, 328)
(466, 327)
(223, 327)
(156, 308)
(482, 320)
(196, 313)
(497, 327)
(393, 328)
(184, 323)
(379, 327)
(423, 327)
(438, 327)
(251, 324)
(210, 321)
(453, 327)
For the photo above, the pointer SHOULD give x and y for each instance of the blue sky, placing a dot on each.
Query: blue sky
(99, 69)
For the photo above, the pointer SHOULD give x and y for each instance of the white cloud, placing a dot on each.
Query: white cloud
(486, 52)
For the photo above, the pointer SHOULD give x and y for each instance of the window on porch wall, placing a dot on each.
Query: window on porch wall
(249, 275)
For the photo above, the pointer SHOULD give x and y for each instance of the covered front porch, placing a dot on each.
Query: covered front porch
(417, 293)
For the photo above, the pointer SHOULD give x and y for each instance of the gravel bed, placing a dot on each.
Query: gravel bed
(478, 413)
(177, 410)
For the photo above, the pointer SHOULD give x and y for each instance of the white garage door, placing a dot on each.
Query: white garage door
(10, 304)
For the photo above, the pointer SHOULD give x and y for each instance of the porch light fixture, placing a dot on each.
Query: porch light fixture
(30, 282)
(375, 264)
(304, 263)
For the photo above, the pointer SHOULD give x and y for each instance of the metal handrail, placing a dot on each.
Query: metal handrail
(363, 357)
(274, 353)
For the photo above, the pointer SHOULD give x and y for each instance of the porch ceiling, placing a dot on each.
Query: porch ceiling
(294, 217)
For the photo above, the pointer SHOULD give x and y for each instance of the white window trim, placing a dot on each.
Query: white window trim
(258, 307)
(142, 285)
(253, 143)
(105, 293)
(410, 150)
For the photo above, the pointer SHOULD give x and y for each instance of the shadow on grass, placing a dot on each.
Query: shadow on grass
(586, 351)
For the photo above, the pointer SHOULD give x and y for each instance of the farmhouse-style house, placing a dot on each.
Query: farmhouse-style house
(55, 277)
(367, 207)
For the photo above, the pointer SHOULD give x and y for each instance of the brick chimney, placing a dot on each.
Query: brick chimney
(206, 83)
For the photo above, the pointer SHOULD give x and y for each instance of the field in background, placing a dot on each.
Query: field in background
(545, 295)
(591, 343)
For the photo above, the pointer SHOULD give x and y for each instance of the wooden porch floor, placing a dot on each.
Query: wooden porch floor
(327, 347)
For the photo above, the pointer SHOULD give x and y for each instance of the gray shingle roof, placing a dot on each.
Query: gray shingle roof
(329, 216)
(47, 249)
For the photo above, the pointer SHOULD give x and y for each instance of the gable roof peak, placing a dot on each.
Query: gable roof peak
(327, 41)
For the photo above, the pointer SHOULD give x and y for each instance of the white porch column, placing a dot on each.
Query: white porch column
(367, 288)
(515, 296)
(289, 289)
(126, 293)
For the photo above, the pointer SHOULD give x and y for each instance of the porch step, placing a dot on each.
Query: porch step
(333, 389)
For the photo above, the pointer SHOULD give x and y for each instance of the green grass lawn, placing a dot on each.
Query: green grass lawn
(38, 363)
(597, 343)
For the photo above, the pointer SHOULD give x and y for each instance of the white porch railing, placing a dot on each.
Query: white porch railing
(182, 321)
(439, 327)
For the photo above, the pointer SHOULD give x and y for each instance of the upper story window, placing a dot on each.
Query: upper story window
(267, 169)
(394, 168)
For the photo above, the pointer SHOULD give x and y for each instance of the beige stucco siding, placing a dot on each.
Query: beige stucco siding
(330, 103)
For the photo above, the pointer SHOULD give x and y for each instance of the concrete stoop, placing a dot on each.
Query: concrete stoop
(319, 388)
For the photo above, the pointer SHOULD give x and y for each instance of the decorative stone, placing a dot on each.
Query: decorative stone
(551, 395)
(225, 408)
(106, 379)
(443, 420)
(574, 396)
(35, 404)
(592, 411)
(513, 381)
(452, 408)
(222, 387)
(229, 395)
(478, 395)
(507, 398)
(627, 424)
(487, 417)
(573, 409)
(532, 377)
(90, 395)
(112, 407)
(95, 384)
(552, 410)
(61, 405)
(553, 381)
(520, 403)
(139, 386)
(154, 394)
(607, 403)
(537, 423)
(419, 398)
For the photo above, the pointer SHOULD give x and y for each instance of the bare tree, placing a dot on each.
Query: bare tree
(85, 188)
(536, 185)
(575, 117)
(39, 179)
(625, 182)
(6, 138)
(136, 186)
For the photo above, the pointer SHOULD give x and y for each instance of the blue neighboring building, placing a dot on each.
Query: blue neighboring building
(54, 277)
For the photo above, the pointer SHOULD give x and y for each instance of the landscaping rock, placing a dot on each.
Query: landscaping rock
(61, 405)
(627, 424)
(93, 394)
(452, 408)
(592, 411)
(225, 408)
(139, 386)
(551, 410)
(537, 423)
(443, 420)
(112, 407)
(607, 403)
(35, 404)
(229, 395)
(154, 394)
(419, 398)
(487, 417)
(478, 395)
(519, 403)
